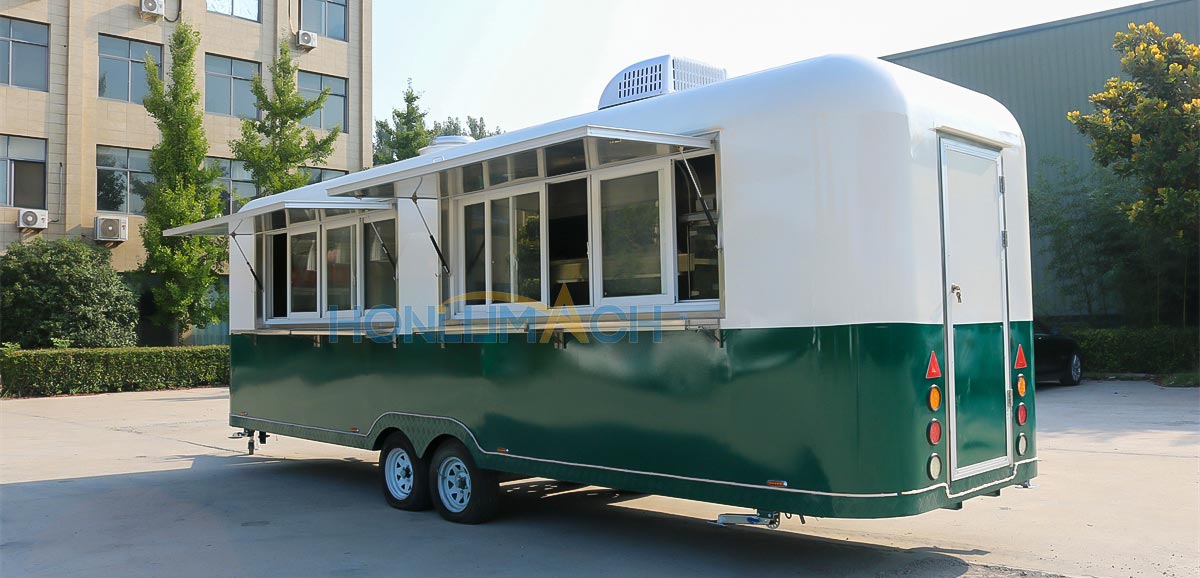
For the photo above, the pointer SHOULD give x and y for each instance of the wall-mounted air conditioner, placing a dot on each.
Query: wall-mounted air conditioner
(112, 228)
(33, 219)
(151, 9)
(307, 40)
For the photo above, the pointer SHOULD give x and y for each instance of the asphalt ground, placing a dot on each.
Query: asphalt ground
(149, 484)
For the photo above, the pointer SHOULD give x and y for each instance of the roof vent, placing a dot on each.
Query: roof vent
(442, 143)
(658, 76)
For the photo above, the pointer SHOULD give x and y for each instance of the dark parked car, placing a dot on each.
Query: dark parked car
(1055, 356)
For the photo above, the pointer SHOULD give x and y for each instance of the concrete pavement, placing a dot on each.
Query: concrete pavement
(148, 484)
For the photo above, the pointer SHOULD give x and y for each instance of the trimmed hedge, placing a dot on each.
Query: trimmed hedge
(40, 372)
(1138, 350)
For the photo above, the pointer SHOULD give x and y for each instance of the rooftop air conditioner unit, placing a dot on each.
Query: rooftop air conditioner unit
(112, 229)
(33, 219)
(307, 40)
(151, 9)
(658, 76)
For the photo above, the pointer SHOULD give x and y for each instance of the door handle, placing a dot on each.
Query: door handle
(957, 291)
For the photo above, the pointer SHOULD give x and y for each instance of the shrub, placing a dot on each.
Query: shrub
(1139, 350)
(66, 290)
(39, 372)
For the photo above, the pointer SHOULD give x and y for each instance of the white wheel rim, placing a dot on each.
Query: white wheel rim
(454, 484)
(398, 471)
(1076, 368)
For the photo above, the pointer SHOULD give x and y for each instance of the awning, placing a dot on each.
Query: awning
(472, 153)
(224, 225)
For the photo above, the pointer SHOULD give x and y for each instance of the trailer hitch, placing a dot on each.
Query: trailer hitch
(249, 433)
(768, 519)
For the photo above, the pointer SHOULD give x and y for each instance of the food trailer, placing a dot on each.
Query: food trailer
(804, 290)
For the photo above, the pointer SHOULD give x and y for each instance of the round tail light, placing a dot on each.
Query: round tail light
(934, 432)
(935, 398)
(934, 467)
(1022, 414)
(1021, 385)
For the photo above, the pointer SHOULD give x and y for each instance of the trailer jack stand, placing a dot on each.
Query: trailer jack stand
(249, 435)
(768, 519)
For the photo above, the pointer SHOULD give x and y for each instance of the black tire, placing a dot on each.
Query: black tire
(470, 494)
(404, 471)
(1074, 373)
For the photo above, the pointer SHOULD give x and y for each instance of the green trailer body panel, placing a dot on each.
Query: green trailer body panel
(979, 393)
(839, 413)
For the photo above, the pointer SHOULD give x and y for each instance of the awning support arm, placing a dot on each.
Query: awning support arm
(436, 248)
(253, 273)
(700, 197)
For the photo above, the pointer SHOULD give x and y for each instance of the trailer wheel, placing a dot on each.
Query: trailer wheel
(403, 475)
(461, 491)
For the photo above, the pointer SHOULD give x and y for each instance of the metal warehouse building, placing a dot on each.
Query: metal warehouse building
(1040, 73)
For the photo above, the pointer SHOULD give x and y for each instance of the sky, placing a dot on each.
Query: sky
(519, 63)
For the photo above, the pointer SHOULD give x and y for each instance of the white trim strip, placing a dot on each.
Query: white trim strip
(656, 474)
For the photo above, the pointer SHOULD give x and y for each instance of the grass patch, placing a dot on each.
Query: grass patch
(1185, 379)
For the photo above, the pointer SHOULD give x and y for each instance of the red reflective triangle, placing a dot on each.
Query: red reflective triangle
(1020, 358)
(933, 370)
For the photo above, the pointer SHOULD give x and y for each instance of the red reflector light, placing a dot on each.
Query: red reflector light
(1022, 414)
(934, 432)
(933, 370)
(1020, 358)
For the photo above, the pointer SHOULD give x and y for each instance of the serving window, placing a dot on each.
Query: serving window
(324, 264)
(618, 223)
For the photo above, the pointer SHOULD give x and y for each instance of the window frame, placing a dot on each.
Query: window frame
(129, 61)
(667, 265)
(229, 181)
(233, 10)
(358, 221)
(345, 100)
(8, 196)
(10, 40)
(364, 226)
(669, 301)
(129, 172)
(459, 280)
(324, 32)
(232, 77)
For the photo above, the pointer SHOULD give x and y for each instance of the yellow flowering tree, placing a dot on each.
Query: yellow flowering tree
(1147, 127)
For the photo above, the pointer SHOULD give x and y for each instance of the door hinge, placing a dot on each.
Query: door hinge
(1004, 238)
(1008, 397)
(1001, 185)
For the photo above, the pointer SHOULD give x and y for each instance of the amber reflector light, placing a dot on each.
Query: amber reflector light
(935, 398)
(1021, 385)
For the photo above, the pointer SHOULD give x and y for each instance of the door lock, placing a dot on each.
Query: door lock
(957, 291)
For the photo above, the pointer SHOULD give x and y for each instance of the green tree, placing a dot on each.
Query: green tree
(406, 132)
(64, 290)
(475, 128)
(187, 268)
(276, 146)
(1144, 129)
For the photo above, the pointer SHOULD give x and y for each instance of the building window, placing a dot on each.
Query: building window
(227, 83)
(123, 179)
(24, 54)
(22, 172)
(247, 9)
(123, 68)
(316, 175)
(324, 17)
(333, 114)
(237, 184)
